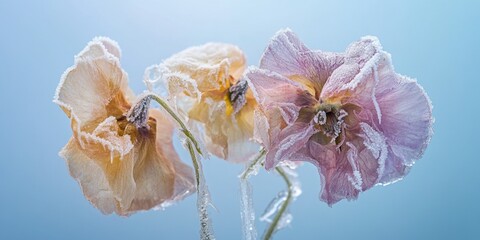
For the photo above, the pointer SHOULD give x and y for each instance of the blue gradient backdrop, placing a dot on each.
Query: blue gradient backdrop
(436, 42)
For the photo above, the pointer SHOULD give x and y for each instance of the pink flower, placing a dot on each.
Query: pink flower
(349, 114)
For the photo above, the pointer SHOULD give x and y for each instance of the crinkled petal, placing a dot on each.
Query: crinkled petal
(208, 65)
(359, 60)
(100, 47)
(95, 87)
(226, 136)
(160, 176)
(109, 186)
(272, 90)
(288, 142)
(287, 55)
(357, 166)
(148, 176)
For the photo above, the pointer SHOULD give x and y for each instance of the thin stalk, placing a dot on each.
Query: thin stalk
(178, 120)
(252, 165)
(195, 163)
(271, 229)
(202, 191)
(206, 232)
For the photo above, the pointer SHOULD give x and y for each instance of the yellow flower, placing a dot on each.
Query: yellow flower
(206, 82)
(122, 165)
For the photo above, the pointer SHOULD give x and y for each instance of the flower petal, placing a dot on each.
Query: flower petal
(392, 104)
(360, 59)
(288, 142)
(90, 176)
(109, 186)
(272, 90)
(148, 176)
(100, 47)
(226, 136)
(287, 55)
(160, 177)
(94, 88)
(209, 65)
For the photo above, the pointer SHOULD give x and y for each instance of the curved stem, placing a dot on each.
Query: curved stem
(271, 229)
(248, 171)
(195, 163)
(202, 191)
(185, 130)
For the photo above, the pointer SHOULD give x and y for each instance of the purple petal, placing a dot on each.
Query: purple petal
(272, 90)
(287, 55)
(288, 142)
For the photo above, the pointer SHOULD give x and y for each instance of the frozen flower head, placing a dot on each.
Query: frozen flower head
(122, 157)
(349, 114)
(207, 85)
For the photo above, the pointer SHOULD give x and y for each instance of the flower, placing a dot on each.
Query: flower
(349, 114)
(123, 159)
(206, 82)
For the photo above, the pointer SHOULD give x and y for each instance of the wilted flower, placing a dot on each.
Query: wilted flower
(206, 82)
(122, 157)
(349, 114)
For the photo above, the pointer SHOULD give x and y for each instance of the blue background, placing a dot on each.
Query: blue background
(436, 42)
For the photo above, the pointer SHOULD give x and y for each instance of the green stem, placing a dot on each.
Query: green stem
(271, 229)
(195, 163)
(179, 121)
(253, 164)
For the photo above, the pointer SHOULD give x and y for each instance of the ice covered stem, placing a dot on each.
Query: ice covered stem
(275, 221)
(203, 198)
(248, 212)
(252, 168)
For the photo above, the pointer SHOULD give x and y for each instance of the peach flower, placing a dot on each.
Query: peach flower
(123, 162)
(207, 86)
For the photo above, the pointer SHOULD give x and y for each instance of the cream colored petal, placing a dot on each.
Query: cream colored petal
(95, 87)
(160, 177)
(90, 176)
(208, 65)
(228, 137)
(100, 47)
(104, 142)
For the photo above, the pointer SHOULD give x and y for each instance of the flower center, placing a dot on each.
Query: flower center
(330, 121)
(138, 115)
(235, 97)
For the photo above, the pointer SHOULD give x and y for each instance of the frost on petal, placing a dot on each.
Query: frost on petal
(287, 55)
(290, 140)
(396, 105)
(346, 173)
(359, 60)
(407, 116)
(100, 47)
(272, 90)
(104, 141)
(210, 65)
(226, 136)
(109, 186)
(93, 89)
(171, 85)
(149, 175)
